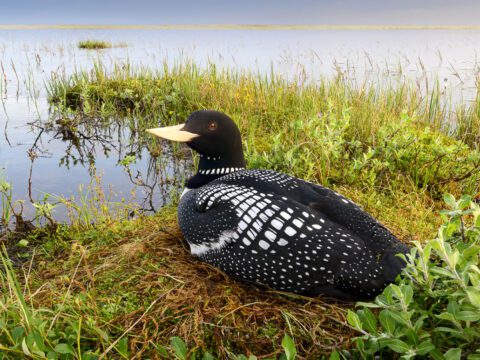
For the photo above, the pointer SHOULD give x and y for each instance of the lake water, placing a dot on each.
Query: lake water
(38, 161)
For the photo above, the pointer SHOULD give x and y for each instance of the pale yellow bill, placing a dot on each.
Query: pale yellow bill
(174, 133)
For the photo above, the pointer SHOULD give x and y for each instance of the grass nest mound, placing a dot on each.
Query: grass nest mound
(148, 283)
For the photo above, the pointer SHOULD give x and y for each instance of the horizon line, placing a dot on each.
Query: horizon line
(235, 27)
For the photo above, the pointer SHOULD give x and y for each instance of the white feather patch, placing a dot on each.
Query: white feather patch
(223, 240)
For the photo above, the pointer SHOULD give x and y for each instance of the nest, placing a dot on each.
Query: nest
(190, 299)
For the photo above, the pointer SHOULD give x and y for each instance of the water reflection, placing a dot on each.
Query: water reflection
(154, 171)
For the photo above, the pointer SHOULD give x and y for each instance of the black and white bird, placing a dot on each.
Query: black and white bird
(269, 228)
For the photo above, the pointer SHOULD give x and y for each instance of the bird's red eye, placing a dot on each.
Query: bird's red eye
(212, 126)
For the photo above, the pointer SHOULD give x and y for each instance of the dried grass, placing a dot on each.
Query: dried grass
(193, 300)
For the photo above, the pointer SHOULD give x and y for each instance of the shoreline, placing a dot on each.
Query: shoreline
(234, 27)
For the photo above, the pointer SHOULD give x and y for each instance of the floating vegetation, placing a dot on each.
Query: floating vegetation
(94, 44)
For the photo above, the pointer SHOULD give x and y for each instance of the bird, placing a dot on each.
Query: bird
(271, 229)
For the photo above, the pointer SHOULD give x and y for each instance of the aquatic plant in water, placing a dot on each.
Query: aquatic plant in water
(94, 44)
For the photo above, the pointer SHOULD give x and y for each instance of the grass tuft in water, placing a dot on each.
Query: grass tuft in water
(94, 44)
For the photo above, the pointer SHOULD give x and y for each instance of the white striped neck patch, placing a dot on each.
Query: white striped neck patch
(219, 171)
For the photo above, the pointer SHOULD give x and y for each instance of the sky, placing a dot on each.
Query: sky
(304, 12)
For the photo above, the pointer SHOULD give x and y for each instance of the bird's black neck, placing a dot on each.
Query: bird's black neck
(211, 168)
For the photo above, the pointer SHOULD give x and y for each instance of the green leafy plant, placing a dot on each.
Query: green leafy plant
(179, 348)
(429, 158)
(6, 202)
(181, 352)
(289, 347)
(44, 209)
(434, 310)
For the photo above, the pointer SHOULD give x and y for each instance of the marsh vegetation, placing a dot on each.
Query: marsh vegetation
(116, 280)
(94, 44)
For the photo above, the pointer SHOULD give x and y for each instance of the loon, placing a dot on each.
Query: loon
(272, 229)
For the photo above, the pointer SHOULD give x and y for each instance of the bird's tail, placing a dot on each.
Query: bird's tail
(393, 264)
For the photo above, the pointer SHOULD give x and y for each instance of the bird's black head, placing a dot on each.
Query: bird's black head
(218, 136)
(217, 139)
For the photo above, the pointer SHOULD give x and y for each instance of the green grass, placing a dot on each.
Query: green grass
(253, 100)
(124, 287)
(94, 44)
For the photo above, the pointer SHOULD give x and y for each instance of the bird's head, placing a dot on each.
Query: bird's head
(214, 135)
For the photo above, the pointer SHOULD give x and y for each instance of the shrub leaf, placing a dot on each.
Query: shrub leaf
(396, 345)
(289, 347)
